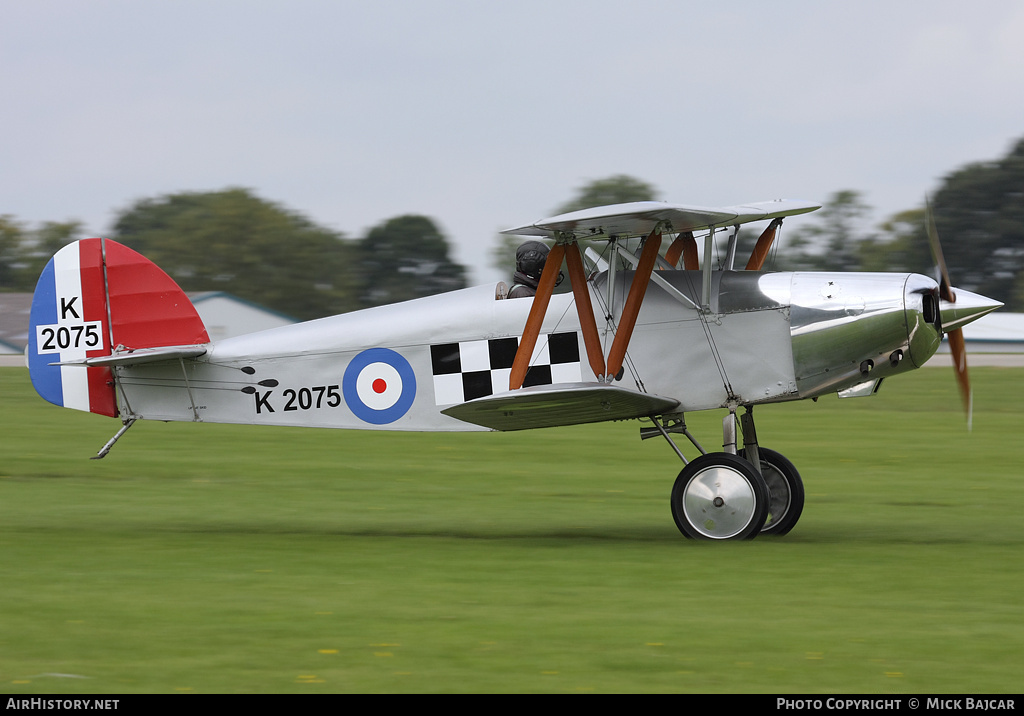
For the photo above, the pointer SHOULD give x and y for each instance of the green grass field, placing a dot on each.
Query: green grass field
(205, 558)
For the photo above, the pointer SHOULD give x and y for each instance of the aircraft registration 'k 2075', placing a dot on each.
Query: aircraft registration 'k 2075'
(113, 334)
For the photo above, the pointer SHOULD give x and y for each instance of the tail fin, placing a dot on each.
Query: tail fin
(96, 296)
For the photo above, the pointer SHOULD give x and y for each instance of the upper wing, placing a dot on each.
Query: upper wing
(640, 218)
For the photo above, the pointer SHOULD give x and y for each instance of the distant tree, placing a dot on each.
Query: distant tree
(47, 240)
(979, 215)
(403, 258)
(24, 252)
(901, 245)
(1016, 302)
(12, 238)
(234, 241)
(831, 238)
(618, 189)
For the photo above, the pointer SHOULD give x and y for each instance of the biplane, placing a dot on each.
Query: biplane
(644, 334)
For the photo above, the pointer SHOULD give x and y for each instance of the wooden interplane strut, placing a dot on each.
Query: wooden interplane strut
(578, 280)
(584, 308)
(686, 246)
(763, 246)
(631, 309)
(546, 286)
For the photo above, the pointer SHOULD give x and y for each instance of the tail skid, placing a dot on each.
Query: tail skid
(110, 443)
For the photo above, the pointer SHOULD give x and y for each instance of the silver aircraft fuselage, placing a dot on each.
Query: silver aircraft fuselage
(765, 337)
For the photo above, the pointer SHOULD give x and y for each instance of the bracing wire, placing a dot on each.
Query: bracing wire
(775, 247)
(606, 311)
(719, 364)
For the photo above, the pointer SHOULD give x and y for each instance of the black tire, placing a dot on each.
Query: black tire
(719, 497)
(785, 492)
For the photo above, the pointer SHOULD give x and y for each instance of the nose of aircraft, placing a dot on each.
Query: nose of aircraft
(924, 327)
(929, 316)
(967, 308)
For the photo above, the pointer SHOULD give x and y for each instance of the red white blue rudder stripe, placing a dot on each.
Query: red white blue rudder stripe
(95, 295)
(69, 322)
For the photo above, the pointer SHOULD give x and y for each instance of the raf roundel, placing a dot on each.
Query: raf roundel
(379, 386)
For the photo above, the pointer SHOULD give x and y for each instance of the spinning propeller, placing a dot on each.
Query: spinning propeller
(956, 336)
(954, 315)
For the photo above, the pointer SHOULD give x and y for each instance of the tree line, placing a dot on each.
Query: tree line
(236, 242)
(979, 216)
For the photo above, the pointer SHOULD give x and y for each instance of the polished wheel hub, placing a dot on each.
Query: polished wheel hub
(719, 502)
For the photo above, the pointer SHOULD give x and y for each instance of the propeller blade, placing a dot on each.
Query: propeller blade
(957, 349)
(959, 353)
(945, 287)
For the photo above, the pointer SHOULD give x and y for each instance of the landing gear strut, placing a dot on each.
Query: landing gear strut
(735, 494)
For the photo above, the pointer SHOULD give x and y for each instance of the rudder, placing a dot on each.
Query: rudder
(96, 297)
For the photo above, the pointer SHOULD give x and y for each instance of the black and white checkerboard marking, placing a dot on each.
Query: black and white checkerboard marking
(474, 369)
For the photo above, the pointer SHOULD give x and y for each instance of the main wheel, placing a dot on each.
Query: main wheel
(719, 496)
(785, 492)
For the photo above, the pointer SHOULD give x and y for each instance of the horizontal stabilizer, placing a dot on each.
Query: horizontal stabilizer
(143, 355)
(563, 404)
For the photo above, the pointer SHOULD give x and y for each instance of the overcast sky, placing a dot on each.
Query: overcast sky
(485, 115)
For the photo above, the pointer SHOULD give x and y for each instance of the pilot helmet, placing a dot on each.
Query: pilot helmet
(530, 258)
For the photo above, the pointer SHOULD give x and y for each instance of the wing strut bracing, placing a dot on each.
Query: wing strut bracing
(548, 278)
(631, 309)
(763, 246)
(585, 309)
(686, 246)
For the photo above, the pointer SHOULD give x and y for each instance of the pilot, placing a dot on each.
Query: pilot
(530, 258)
